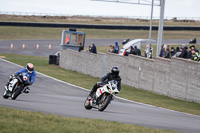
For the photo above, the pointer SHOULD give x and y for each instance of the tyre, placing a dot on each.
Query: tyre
(5, 94)
(87, 103)
(16, 92)
(106, 100)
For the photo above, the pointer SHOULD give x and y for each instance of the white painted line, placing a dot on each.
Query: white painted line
(89, 90)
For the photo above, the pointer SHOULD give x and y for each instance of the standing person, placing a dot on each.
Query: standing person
(195, 55)
(30, 74)
(193, 48)
(148, 52)
(116, 47)
(162, 54)
(131, 51)
(184, 53)
(137, 51)
(111, 49)
(190, 53)
(172, 52)
(93, 49)
(166, 51)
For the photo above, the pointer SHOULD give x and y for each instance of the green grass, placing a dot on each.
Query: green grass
(88, 81)
(94, 20)
(19, 33)
(20, 121)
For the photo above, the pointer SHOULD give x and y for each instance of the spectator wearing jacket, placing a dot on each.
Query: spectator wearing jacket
(172, 52)
(193, 48)
(137, 51)
(195, 55)
(93, 49)
(162, 54)
(116, 48)
(184, 53)
(166, 51)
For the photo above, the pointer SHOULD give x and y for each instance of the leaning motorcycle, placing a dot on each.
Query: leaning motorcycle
(15, 86)
(103, 96)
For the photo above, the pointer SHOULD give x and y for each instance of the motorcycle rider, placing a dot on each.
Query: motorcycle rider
(30, 74)
(113, 75)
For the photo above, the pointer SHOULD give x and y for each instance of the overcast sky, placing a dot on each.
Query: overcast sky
(173, 8)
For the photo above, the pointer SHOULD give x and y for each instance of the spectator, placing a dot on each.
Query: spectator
(116, 48)
(177, 49)
(193, 48)
(195, 55)
(93, 49)
(148, 52)
(166, 51)
(172, 52)
(111, 49)
(137, 51)
(162, 54)
(184, 52)
(89, 48)
(131, 51)
(190, 53)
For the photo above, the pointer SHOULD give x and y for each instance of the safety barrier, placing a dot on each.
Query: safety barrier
(177, 78)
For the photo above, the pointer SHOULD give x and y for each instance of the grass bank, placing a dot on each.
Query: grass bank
(20, 121)
(88, 81)
(94, 20)
(20, 33)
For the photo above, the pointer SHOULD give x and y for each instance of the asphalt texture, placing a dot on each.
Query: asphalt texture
(55, 97)
(52, 96)
(30, 45)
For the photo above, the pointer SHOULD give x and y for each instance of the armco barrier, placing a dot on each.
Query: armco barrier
(95, 26)
(177, 78)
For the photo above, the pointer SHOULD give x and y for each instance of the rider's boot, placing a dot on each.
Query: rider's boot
(91, 92)
(26, 89)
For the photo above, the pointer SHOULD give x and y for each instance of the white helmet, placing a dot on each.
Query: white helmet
(29, 67)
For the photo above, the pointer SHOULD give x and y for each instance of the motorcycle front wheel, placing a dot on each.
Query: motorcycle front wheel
(106, 100)
(87, 103)
(5, 94)
(16, 92)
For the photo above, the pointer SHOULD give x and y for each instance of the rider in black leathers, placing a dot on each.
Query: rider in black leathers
(113, 75)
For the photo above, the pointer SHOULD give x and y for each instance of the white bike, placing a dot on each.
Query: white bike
(102, 97)
(15, 86)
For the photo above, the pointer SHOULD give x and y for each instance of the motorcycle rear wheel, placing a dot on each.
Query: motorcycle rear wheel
(16, 92)
(102, 106)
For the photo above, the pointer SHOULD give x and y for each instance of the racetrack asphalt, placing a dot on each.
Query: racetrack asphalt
(52, 96)
(30, 45)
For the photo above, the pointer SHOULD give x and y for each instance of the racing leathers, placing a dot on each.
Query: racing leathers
(30, 76)
(105, 79)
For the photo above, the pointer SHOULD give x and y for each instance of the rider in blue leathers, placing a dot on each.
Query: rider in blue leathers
(30, 74)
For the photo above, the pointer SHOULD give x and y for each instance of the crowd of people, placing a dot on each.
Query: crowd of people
(114, 49)
(182, 52)
(165, 52)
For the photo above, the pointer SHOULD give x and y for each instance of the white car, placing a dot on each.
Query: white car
(136, 42)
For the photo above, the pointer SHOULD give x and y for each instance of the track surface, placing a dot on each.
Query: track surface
(30, 45)
(55, 97)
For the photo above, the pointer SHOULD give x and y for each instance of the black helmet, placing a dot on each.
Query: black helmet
(29, 67)
(115, 71)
